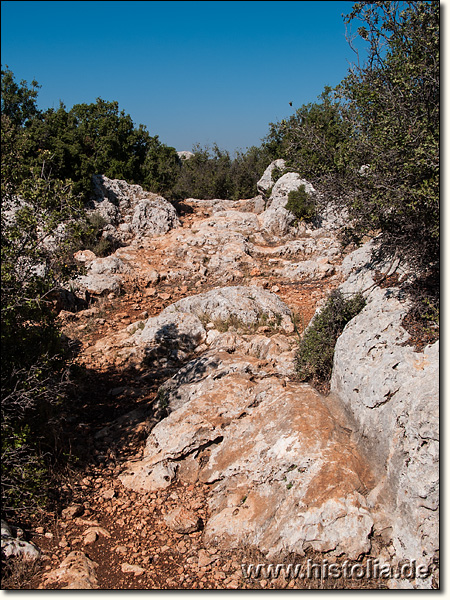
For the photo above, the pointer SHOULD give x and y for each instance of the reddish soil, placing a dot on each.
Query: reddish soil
(135, 523)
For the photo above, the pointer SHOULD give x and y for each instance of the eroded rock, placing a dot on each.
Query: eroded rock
(77, 572)
(392, 394)
(279, 461)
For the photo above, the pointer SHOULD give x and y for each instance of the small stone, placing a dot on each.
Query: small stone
(90, 538)
(75, 510)
(183, 520)
(135, 569)
(109, 494)
(164, 296)
(204, 559)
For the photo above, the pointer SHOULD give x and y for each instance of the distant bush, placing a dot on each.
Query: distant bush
(213, 173)
(314, 359)
(301, 204)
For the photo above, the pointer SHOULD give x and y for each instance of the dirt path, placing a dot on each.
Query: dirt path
(123, 532)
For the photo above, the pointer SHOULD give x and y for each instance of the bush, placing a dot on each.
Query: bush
(314, 359)
(301, 204)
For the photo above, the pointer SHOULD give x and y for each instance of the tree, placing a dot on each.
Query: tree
(161, 167)
(371, 145)
(313, 140)
(90, 139)
(391, 104)
(18, 100)
(33, 369)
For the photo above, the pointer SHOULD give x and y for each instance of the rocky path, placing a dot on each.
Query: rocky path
(115, 534)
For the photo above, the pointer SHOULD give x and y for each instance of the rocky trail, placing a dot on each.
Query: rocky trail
(199, 450)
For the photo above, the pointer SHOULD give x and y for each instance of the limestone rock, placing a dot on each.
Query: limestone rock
(183, 520)
(392, 393)
(116, 191)
(109, 212)
(185, 154)
(14, 547)
(266, 181)
(73, 511)
(307, 269)
(129, 210)
(172, 334)
(154, 217)
(246, 304)
(84, 256)
(98, 285)
(286, 476)
(107, 266)
(136, 570)
(287, 183)
(276, 220)
(241, 222)
(77, 571)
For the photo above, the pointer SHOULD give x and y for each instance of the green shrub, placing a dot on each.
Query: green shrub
(314, 359)
(301, 204)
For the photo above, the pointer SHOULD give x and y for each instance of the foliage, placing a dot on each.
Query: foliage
(18, 100)
(205, 175)
(301, 204)
(372, 144)
(213, 173)
(87, 140)
(35, 212)
(161, 168)
(32, 406)
(392, 106)
(246, 170)
(312, 141)
(314, 358)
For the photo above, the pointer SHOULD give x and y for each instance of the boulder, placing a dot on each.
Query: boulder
(84, 256)
(98, 285)
(13, 546)
(287, 183)
(170, 335)
(117, 192)
(183, 520)
(77, 572)
(241, 304)
(284, 474)
(391, 393)
(266, 181)
(276, 221)
(129, 210)
(154, 217)
(107, 266)
(307, 269)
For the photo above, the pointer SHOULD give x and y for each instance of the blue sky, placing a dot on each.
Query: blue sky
(192, 72)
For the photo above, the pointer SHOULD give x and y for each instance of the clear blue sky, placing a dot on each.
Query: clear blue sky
(192, 72)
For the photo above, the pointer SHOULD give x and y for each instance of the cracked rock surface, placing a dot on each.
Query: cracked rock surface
(202, 450)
